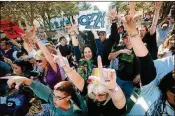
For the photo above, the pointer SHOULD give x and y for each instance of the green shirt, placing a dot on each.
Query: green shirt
(124, 57)
(46, 94)
(128, 65)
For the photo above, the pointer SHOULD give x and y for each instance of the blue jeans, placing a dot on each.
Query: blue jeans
(126, 86)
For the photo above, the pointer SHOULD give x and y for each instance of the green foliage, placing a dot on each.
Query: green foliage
(83, 6)
(124, 6)
(96, 8)
(37, 10)
(120, 6)
(143, 6)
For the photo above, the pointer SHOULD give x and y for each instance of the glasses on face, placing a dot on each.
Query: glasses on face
(59, 98)
(100, 95)
(39, 61)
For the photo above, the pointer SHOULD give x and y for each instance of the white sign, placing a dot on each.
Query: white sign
(89, 20)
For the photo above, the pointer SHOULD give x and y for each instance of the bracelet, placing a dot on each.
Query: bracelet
(114, 90)
(72, 35)
(68, 71)
(133, 35)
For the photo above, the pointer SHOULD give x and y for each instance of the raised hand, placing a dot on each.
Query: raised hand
(60, 59)
(130, 24)
(158, 5)
(25, 38)
(107, 76)
(72, 30)
(113, 14)
(132, 9)
(18, 80)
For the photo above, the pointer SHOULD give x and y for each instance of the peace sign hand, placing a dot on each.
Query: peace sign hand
(158, 5)
(107, 76)
(72, 29)
(113, 14)
(60, 59)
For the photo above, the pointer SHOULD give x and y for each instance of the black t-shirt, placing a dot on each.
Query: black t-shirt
(151, 44)
(128, 66)
(98, 109)
(65, 50)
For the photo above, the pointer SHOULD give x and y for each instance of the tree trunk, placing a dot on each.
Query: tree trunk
(117, 10)
(166, 9)
(31, 13)
(49, 23)
(73, 21)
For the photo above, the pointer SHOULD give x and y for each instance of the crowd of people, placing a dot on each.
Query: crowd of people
(91, 77)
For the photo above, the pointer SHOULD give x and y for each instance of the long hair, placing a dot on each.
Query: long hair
(25, 65)
(93, 53)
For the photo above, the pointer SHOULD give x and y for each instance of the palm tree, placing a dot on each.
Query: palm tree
(96, 8)
(119, 6)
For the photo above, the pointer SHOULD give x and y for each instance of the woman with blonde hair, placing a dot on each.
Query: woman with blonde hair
(52, 73)
(104, 96)
(167, 48)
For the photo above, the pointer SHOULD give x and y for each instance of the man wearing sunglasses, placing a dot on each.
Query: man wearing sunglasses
(64, 101)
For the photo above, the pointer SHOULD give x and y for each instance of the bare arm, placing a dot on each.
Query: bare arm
(118, 98)
(147, 68)
(117, 53)
(47, 55)
(156, 17)
(138, 46)
(77, 80)
(26, 44)
(74, 40)
(114, 55)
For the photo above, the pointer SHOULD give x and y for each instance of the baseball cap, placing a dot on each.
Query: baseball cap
(124, 35)
(101, 33)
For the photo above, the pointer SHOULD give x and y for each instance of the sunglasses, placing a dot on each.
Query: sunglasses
(39, 61)
(101, 34)
(59, 98)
